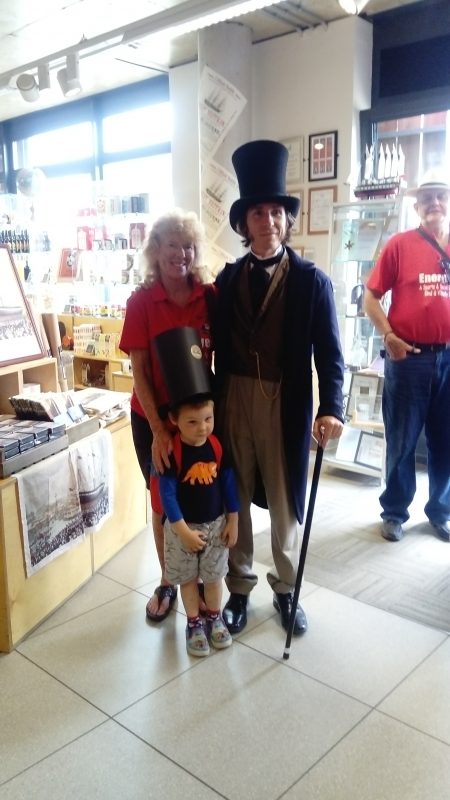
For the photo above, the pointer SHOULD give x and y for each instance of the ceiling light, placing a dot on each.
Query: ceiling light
(43, 76)
(69, 77)
(353, 6)
(28, 87)
(189, 23)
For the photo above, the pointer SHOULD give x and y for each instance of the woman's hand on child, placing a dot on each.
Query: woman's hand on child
(161, 449)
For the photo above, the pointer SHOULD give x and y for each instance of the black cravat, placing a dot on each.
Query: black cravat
(262, 263)
(260, 277)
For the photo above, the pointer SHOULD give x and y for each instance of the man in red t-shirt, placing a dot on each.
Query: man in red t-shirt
(415, 267)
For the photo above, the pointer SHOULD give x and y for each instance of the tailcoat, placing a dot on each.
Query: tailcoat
(310, 329)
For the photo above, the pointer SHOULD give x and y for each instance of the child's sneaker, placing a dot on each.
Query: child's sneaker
(218, 634)
(196, 641)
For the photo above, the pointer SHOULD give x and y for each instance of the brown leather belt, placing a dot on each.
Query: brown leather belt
(431, 348)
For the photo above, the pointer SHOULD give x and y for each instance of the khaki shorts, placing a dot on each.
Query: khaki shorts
(211, 564)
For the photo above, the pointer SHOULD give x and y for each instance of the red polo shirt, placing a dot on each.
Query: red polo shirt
(151, 312)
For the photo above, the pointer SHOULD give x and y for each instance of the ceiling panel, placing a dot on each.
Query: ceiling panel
(30, 32)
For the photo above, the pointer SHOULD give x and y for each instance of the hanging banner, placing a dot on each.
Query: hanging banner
(219, 190)
(220, 104)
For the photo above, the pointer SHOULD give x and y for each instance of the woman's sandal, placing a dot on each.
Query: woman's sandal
(162, 592)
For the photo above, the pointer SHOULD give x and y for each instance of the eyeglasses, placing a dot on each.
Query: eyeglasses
(425, 198)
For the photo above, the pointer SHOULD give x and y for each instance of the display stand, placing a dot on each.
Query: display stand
(43, 371)
(90, 369)
(122, 382)
(26, 601)
(358, 233)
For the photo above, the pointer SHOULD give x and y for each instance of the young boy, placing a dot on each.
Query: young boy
(199, 498)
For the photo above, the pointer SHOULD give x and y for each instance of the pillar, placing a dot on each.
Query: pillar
(224, 61)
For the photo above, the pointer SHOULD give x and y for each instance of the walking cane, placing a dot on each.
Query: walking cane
(304, 548)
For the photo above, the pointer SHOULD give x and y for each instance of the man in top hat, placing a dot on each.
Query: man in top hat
(274, 311)
(415, 267)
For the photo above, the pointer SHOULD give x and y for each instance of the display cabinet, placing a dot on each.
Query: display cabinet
(90, 368)
(358, 233)
(76, 256)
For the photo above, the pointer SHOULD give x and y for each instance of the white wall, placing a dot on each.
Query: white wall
(313, 83)
(301, 84)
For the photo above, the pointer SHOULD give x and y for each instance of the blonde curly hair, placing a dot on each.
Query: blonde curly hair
(174, 222)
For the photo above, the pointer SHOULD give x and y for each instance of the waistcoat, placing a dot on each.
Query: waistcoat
(257, 337)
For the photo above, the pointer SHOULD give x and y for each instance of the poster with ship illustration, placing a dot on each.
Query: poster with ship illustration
(93, 458)
(65, 497)
(50, 508)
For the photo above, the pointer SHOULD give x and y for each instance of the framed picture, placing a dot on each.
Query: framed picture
(323, 156)
(370, 450)
(294, 169)
(319, 209)
(19, 337)
(362, 398)
(68, 264)
(297, 228)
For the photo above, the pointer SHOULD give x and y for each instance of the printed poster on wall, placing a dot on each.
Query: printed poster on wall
(220, 105)
(216, 257)
(64, 497)
(219, 190)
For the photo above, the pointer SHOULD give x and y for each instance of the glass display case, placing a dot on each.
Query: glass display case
(358, 232)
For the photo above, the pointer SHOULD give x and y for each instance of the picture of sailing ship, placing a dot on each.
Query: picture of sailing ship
(64, 497)
(93, 484)
(52, 509)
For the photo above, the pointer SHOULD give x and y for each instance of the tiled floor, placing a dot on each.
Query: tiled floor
(348, 555)
(99, 704)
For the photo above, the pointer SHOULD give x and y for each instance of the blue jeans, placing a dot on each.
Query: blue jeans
(416, 394)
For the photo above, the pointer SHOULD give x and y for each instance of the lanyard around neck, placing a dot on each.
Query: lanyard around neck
(425, 235)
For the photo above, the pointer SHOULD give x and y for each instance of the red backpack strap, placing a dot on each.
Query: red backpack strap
(176, 450)
(217, 447)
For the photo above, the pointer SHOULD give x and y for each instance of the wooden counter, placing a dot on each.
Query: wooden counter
(27, 601)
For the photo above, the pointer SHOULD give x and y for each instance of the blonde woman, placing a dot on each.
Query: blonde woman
(175, 296)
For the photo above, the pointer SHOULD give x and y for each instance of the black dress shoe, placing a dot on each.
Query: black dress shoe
(235, 612)
(283, 604)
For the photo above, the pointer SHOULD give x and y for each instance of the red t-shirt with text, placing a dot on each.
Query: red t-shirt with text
(409, 267)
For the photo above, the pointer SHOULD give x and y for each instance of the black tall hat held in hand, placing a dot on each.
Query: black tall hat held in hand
(185, 371)
(260, 168)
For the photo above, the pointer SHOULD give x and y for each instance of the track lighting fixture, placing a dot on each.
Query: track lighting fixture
(28, 87)
(69, 77)
(43, 76)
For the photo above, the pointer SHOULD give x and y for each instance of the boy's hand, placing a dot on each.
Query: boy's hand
(230, 532)
(194, 541)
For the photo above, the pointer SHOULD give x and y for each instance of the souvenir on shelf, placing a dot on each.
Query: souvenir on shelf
(385, 178)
